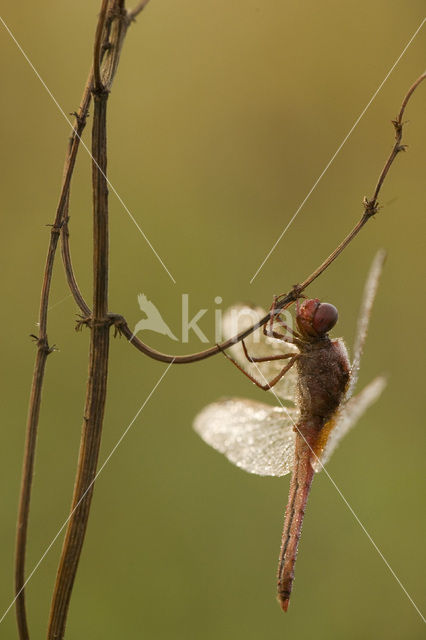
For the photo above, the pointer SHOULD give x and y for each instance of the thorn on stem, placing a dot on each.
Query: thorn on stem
(83, 321)
(370, 207)
(81, 119)
(118, 322)
(398, 127)
(42, 343)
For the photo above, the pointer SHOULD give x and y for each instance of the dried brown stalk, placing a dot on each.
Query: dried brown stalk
(43, 348)
(97, 380)
(370, 209)
(112, 27)
(111, 30)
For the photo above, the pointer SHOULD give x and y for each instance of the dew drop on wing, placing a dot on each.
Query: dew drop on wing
(254, 436)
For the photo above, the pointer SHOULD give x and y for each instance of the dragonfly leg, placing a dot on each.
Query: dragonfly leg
(273, 382)
(268, 328)
(266, 358)
(280, 336)
(283, 371)
(271, 321)
(287, 328)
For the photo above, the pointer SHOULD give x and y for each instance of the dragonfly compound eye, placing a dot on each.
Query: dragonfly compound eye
(305, 316)
(325, 318)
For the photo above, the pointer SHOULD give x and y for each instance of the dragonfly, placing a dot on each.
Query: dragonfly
(317, 406)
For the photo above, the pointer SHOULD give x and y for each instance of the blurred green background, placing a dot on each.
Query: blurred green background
(222, 116)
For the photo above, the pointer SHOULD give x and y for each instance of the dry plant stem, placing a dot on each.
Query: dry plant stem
(43, 348)
(109, 53)
(112, 41)
(370, 206)
(370, 209)
(97, 53)
(43, 351)
(66, 257)
(115, 22)
(97, 382)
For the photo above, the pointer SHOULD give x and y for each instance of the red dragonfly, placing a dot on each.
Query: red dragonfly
(316, 385)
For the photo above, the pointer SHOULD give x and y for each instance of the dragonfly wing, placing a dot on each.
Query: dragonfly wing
(347, 417)
(240, 317)
(254, 436)
(369, 295)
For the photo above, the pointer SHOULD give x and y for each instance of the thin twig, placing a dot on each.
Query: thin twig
(370, 206)
(110, 39)
(370, 209)
(98, 46)
(43, 351)
(96, 386)
(69, 271)
(60, 224)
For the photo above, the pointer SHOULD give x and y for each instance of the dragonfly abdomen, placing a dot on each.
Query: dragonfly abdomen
(300, 485)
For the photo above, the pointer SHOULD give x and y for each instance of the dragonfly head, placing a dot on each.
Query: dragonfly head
(315, 318)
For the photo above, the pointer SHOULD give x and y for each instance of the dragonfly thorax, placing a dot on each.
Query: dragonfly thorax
(324, 370)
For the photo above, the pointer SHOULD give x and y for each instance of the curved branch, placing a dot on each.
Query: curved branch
(69, 271)
(370, 206)
(43, 349)
(398, 124)
(124, 329)
(370, 209)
